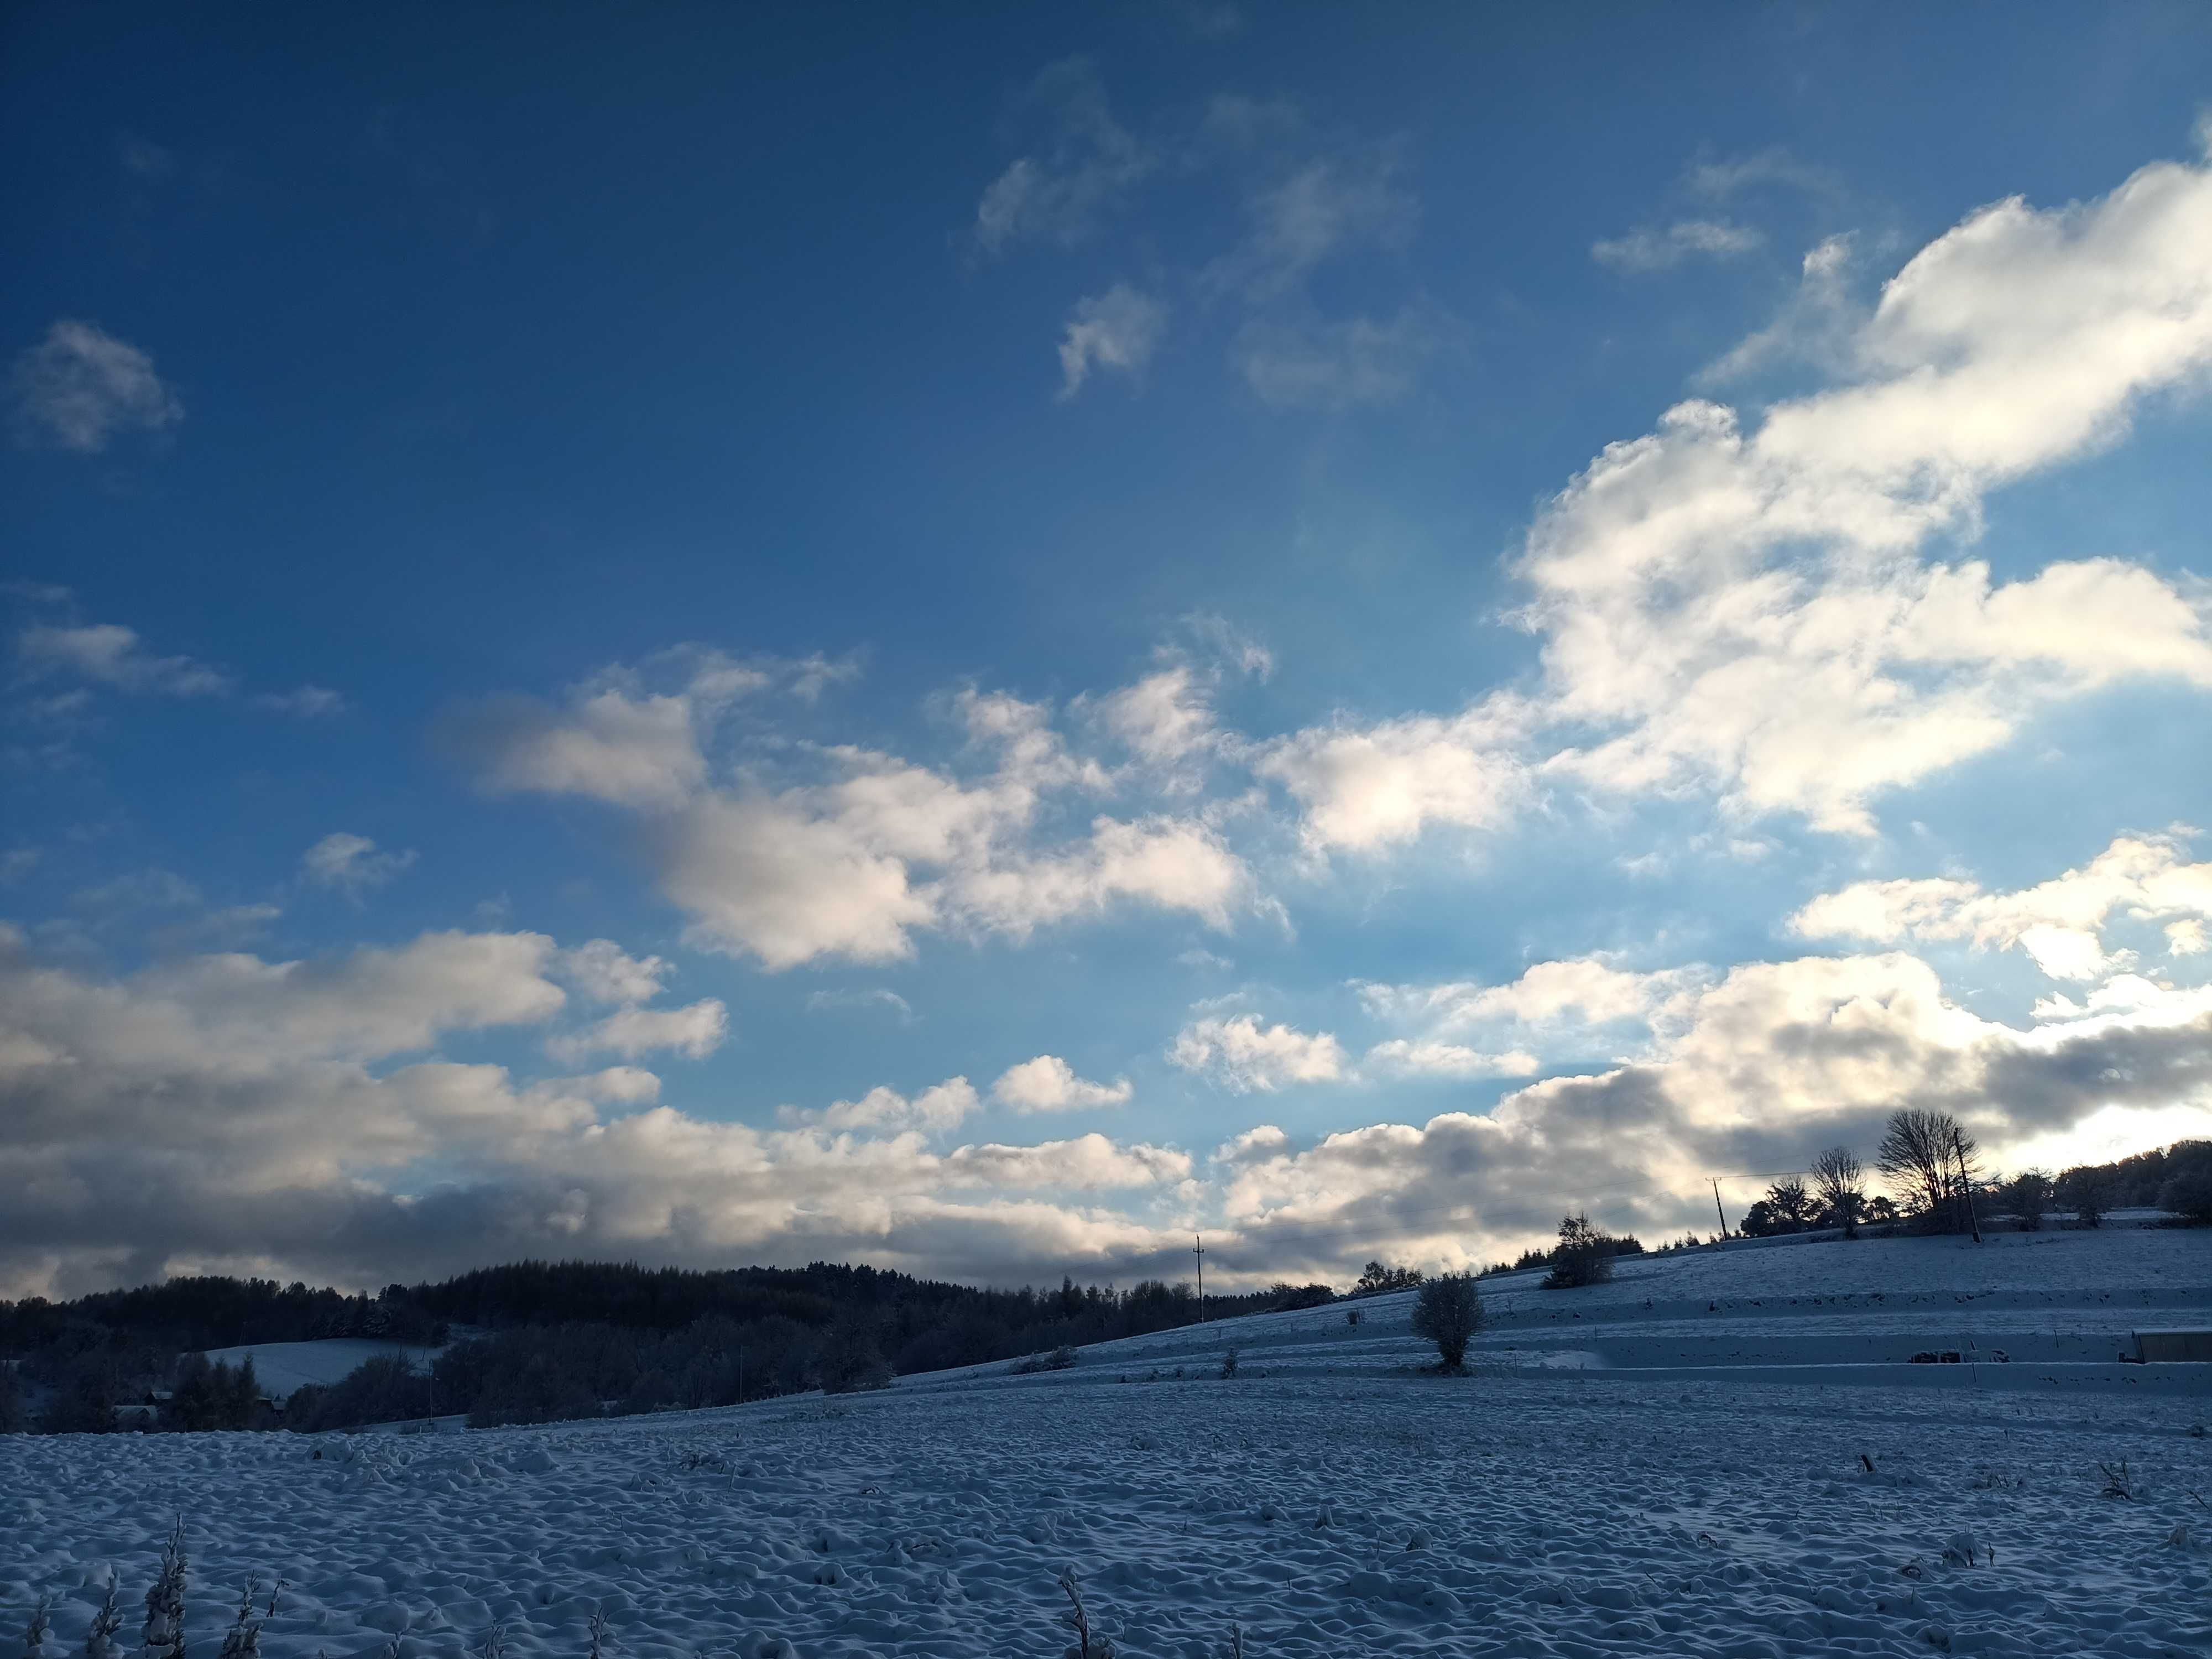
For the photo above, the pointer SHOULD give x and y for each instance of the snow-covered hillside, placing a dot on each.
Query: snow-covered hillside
(1657, 1475)
(283, 1368)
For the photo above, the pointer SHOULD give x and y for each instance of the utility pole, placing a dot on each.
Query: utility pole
(1965, 1182)
(1198, 1250)
(1717, 1210)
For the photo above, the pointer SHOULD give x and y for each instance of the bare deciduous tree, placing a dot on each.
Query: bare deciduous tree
(1929, 1162)
(1840, 1183)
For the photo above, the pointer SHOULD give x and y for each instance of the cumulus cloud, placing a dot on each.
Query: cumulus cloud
(226, 1110)
(111, 654)
(1164, 718)
(1239, 1053)
(1765, 1065)
(351, 864)
(605, 973)
(2059, 923)
(80, 386)
(943, 1106)
(1048, 1084)
(1367, 788)
(877, 848)
(1119, 329)
(1578, 990)
(694, 1032)
(1650, 249)
(1751, 609)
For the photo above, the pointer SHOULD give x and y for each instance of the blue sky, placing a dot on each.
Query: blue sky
(970, 643)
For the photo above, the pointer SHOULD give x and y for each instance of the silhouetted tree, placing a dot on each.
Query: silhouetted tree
(1839, 1183)
(1584, 1256)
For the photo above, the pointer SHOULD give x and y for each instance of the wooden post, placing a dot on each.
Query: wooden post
(1198, 1250)
(1716, 1205)
(1965, 1182)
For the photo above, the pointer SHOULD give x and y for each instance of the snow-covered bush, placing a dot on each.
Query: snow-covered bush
(165, 1601)
(34, 1639)
(1448, 1312)
(106, 1624)
(243, 1639)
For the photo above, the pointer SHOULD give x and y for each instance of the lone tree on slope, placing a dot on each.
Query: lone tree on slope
(1840, 1183)
(1448, 1313)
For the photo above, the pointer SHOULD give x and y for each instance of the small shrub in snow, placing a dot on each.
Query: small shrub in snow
(1448, 1312)
(597, 1628)
(495, 1644)
(34, 1639)
(165, 1601)
(243, 1639)
(1089, 1645)
(1229, 1364)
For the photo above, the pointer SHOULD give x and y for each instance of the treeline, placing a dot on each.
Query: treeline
(544, 1340)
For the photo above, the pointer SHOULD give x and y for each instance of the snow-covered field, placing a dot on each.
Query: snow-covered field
(1681, 1469)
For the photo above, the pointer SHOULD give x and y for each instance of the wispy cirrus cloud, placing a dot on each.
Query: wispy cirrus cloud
(1648, 249)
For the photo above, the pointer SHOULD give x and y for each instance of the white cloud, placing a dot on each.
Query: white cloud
(855, 864)
(1367, 789)
(227, 1110)
(80, 386)
(877, 996)
(1061, 195)
(1350, 363)
(1089, 1163)
(1580, 990)
(1240, 1054)
(351, 864)
(111, 654)
(1318, 208)
(1164, 718)
(1048, 1084)
(1721, 178)
(2058, 923)
(2186, 939)
(1765, 1065)
(605, 973)
(1410, 1057)
(306, 701)
(610, 745)
(1749, 609)
(788, 885)
(1649, 250)
(1119, 329)
(694, 1032)
(942, 1106)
